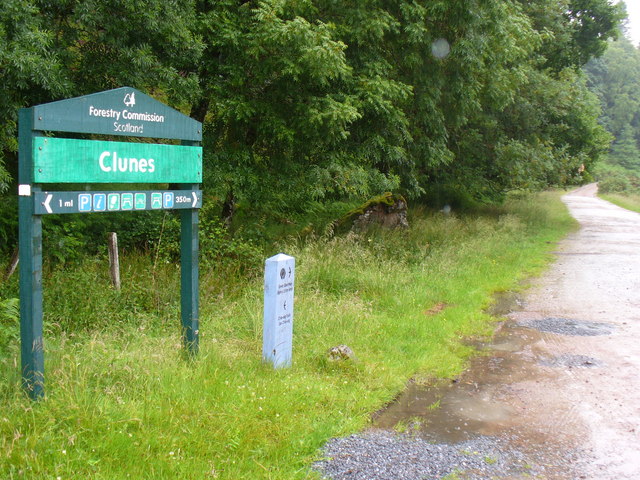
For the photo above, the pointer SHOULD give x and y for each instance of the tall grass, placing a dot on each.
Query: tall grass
(123, 402)
(628, 201)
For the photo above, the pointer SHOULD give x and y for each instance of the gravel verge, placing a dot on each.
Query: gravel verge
(386, 455)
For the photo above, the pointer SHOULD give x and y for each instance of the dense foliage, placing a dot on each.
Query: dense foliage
(615, 79)
(309, 100)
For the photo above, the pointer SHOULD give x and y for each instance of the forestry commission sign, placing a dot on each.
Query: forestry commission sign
(173, 170)
(123, 111)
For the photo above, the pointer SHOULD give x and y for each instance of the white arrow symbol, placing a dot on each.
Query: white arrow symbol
(46, 203)
(195, 199)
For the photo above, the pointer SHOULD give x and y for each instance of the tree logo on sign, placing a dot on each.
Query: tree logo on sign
(130, 99)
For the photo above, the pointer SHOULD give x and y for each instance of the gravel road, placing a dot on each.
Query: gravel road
(558, 398)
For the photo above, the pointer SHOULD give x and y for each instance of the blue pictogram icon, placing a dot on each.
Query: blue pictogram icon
(99, 202)
(84, 202)
(167, 200)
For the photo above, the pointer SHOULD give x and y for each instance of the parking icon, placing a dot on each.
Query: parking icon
(84, 202)
(167, 200)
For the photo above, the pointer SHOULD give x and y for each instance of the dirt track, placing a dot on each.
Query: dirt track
(595, 279)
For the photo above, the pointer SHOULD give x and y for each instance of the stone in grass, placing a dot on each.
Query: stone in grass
(387, 210)
(341, 353)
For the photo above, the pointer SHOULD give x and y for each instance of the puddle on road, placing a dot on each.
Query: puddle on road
(479, 402)
(504, 303)
(471, 405)
(459, 415)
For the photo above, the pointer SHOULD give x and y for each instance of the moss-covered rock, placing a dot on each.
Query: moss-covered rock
(388, 210)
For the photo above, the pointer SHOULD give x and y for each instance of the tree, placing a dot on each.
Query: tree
(625, 151)
(280, 101)
(30, 72)
(534, 125)
(55, 49)
(312, 99)
(574, 31)
(615, 79)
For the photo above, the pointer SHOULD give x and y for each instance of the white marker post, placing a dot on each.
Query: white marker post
(279, 276)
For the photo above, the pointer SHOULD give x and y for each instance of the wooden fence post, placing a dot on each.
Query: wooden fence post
(13, 264)
(114, 260)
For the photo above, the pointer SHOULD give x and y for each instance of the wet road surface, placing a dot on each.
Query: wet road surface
(561, 380)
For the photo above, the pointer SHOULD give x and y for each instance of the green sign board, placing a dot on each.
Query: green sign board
(46, 159)
(95, 202)
(123, 111)
(67, 160)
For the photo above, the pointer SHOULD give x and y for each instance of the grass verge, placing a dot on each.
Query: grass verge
(122, 401)
(628, 201)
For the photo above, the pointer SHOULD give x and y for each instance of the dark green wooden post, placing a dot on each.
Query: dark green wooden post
(30, 242)
(189, 281)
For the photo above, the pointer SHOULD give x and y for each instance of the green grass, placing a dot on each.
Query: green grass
(123, 402)
(628, 201)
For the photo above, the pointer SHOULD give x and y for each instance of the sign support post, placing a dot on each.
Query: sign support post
(30, 248)
(189, 283)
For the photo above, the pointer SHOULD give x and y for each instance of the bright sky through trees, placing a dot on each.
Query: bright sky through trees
(633, 8)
